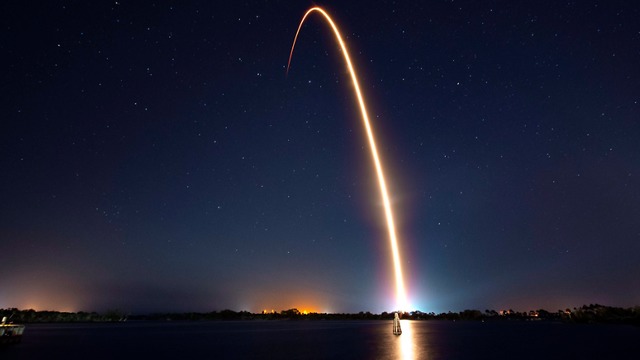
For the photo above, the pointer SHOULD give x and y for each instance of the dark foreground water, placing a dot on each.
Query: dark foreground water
(326, 340)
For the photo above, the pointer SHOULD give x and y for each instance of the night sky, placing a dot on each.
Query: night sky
(154, 156)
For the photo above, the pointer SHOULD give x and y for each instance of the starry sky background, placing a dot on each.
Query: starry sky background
(155, 157)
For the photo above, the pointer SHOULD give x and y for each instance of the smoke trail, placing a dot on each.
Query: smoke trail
(400, 291)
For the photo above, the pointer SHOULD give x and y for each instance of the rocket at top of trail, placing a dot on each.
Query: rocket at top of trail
(401, 299)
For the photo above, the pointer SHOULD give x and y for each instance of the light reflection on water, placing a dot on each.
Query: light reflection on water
(411, 345)
(407, 341)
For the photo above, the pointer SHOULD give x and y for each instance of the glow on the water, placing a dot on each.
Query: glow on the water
(407, 343)
(400, 290)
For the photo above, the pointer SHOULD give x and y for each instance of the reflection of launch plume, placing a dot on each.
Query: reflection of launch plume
(400, 292)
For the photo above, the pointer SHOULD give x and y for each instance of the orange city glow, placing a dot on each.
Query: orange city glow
(401, 297)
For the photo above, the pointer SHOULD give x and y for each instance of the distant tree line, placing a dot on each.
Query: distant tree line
(593, 313)
(32, 316)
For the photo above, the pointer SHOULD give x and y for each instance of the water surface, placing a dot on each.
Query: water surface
(326, 340)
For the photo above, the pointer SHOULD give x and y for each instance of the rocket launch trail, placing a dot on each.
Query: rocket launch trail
(393, 241)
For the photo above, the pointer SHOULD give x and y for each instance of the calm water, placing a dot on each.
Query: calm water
(326, 340)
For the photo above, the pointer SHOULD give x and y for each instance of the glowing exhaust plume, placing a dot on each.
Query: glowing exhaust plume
(400, 292)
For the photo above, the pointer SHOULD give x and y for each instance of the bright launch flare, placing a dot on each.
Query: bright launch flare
(400, 291)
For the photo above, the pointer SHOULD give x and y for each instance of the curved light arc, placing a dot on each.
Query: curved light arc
(393, 241)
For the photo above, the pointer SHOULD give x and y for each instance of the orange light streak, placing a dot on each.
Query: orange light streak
(401, 297)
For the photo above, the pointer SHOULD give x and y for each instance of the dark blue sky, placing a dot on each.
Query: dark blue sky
(155, 157)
